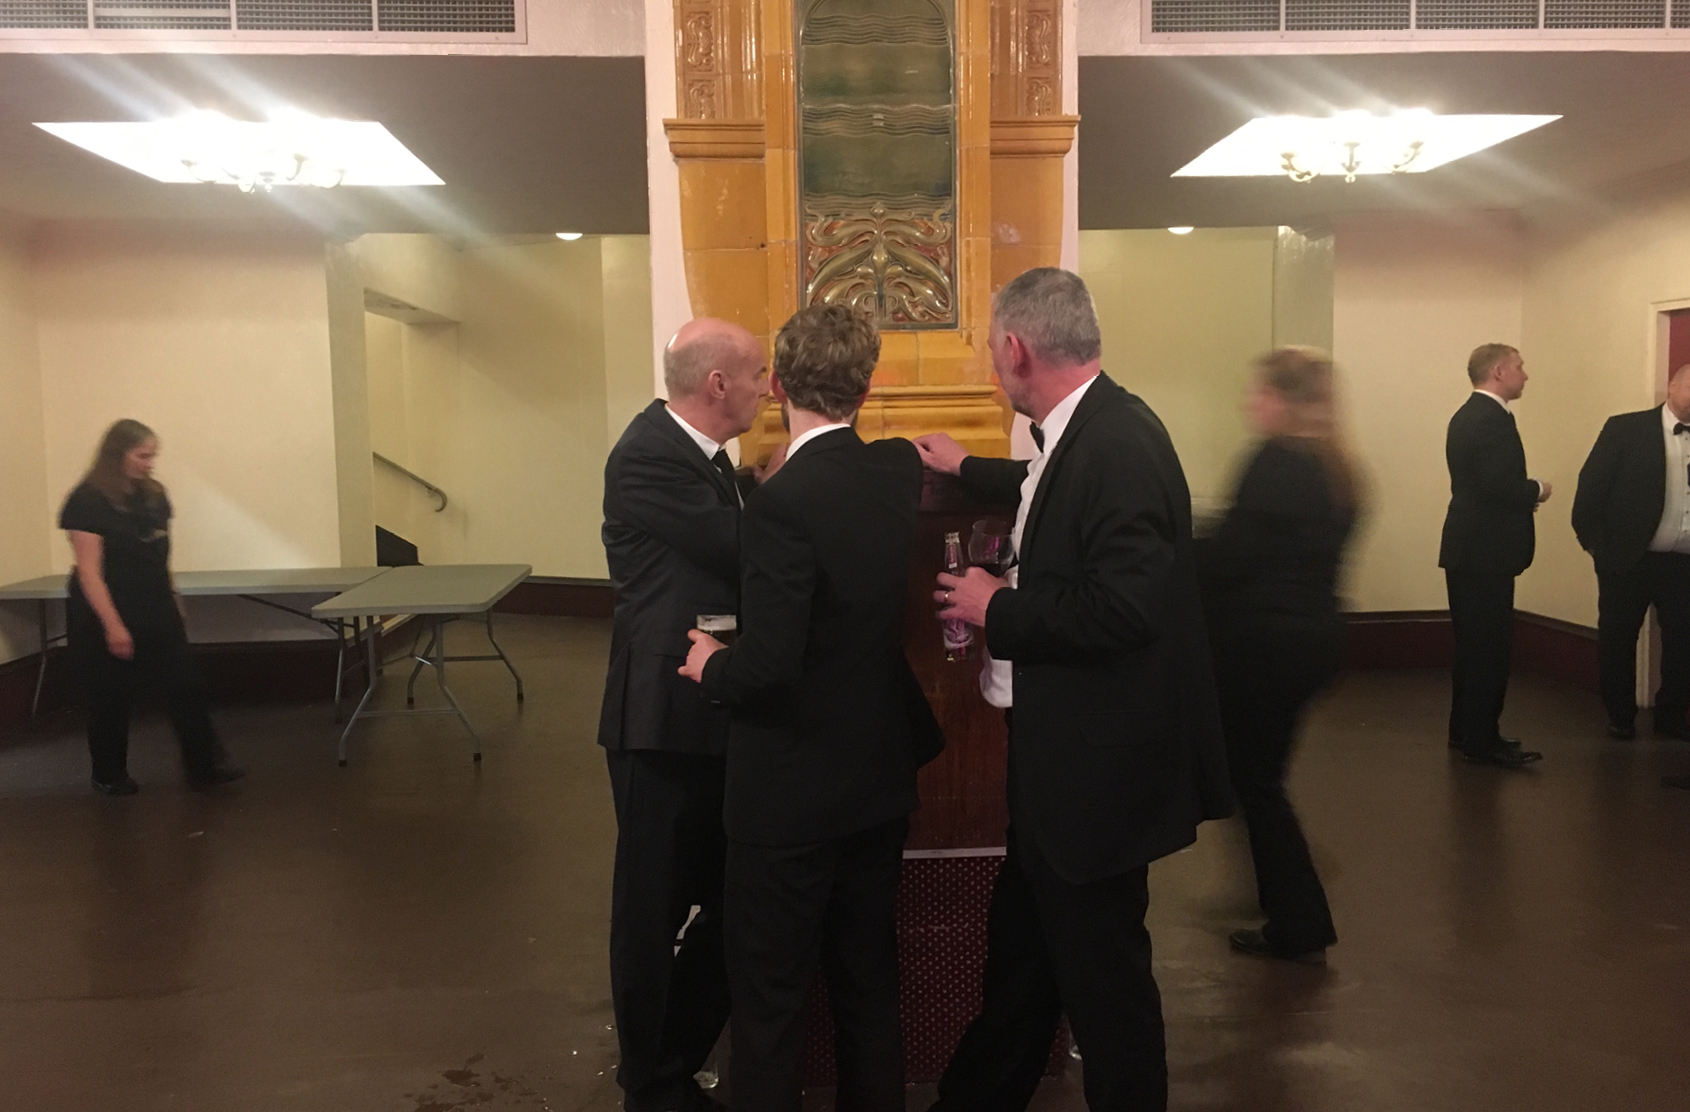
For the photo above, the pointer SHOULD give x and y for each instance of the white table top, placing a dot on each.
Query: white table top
(273, 581)
(44, 586)
(429, 589)
(250, 581)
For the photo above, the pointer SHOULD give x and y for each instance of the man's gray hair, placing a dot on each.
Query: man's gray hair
(686, 366)
(1052, 311)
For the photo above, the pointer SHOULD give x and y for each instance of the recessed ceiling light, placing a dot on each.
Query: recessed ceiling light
(1182, 230)
(290, 149)
(569, 237)
(1351, 143)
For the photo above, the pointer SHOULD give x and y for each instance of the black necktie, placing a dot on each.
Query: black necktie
(1681, 427)
(1038, 436)
(726, 467)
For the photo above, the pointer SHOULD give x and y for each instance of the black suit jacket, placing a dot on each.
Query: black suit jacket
(829, 724)
(1489, 525)
(1622, 491)
(671, 538)
(1115, 748)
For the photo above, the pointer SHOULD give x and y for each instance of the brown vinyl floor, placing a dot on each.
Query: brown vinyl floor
(411, 935)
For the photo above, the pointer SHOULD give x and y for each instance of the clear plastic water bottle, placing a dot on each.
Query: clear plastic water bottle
(958, 634)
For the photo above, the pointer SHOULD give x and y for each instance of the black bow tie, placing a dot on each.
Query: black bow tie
(1681, 427)
(1039, 436)
(725, 466)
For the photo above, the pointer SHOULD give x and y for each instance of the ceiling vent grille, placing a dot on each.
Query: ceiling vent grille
(397, 18)
(304, 15)
(1218, 17)
(1326, 17)
(1346, 15)
(161, 15)
(1604, 14)
(43, 14)
(448, 16)
(1476, 15)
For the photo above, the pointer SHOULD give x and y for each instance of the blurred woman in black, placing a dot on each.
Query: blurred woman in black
(1270, 573)
(124, 616)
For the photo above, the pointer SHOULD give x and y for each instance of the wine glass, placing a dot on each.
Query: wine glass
(991, 545)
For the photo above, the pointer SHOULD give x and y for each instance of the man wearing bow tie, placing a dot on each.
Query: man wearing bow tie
(1632, 514)
(1489, 538)
(1115, 751)
(671, 539)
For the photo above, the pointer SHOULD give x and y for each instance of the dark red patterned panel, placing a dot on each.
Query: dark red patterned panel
(942, 908)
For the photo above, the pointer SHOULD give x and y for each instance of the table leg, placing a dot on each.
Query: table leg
(438, 641)
(508, 665)
(427, 657)
(370, 654)
(41, 670)
(340, 658)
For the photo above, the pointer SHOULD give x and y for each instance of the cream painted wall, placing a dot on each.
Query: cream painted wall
(1413, 294)
(511, 409)
(1182, 316)
(628, 357)
(532, 355)
(219, 341)
(1593, 290)
(25, 543)
(1302, 288)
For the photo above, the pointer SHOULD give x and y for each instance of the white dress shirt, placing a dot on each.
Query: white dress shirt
(705, 444)
(1503, 402)
(1673, 533)
(997, 677)
(820, 430)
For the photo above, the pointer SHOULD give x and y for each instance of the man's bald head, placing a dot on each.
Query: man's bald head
(706, 345)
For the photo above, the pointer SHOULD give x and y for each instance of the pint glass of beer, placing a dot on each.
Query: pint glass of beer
(723, 627)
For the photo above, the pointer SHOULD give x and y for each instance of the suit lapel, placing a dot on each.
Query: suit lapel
(1658, 454)
(658, 416)
(1090, 403)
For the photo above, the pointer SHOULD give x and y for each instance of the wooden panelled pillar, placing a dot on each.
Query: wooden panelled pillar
(738, 147)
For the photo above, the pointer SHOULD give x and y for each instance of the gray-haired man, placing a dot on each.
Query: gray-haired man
(1115, 751)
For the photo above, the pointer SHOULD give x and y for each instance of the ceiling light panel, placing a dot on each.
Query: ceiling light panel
(184, 148)
(1351, 143)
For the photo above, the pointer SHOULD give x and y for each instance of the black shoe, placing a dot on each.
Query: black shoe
(1504, 757)
(1682, 782)
(1622, 733)
(215, 776)
(1677, 731)
(1255, 942)
(123, 785)
(687, 1096)
(1505, 742)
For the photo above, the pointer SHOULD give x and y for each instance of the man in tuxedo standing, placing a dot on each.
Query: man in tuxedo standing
(1632, 514)
(1115, 747)
(671, 538)
(1489, 538)
(829, 726)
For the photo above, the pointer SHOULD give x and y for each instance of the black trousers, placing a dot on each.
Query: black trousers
(165, 662)
(1481, 608)
(1266, 673)
(788, 909)
(1052, 948)
(671, 1001)
(1661, 580)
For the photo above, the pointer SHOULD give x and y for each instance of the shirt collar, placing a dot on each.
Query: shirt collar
(792, 449)
(1497, 398)
(1669, 420)
(1056, 421)
(705, 444)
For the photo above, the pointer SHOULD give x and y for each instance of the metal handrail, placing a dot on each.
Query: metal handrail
(414, 477)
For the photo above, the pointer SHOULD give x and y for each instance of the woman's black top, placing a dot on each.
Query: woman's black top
(1276, 554)
(136, 562)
